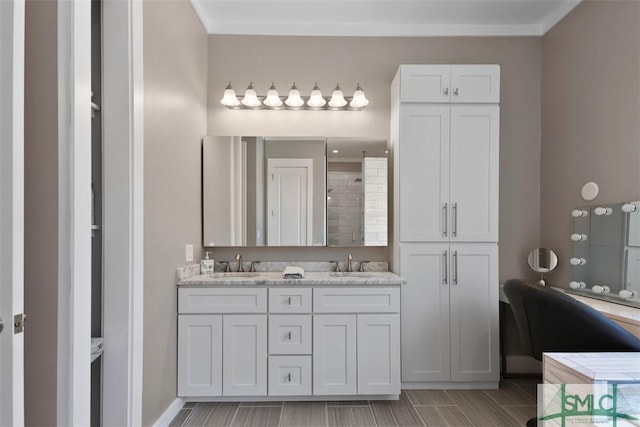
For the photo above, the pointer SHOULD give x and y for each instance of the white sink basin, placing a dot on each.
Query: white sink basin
(347, 275)
(232, 275)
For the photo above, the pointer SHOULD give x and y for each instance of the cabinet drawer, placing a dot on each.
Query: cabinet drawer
(289, 375)
(290, 300)
(222, 300)
(356, 300)
(290, 334)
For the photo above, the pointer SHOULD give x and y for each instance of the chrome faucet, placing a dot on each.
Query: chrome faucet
(239, 259)
(226, 269)
(337, 266)
(252, 267)
(349, 260)
(361, 266)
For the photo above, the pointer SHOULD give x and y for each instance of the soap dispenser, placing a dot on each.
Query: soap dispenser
(206, 265)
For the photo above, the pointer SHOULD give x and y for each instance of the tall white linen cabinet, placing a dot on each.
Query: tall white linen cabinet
(445, 123)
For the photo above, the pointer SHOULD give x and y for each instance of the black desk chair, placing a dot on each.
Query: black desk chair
(551, 321)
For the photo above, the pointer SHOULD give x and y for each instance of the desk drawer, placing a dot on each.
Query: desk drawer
(356, 300)
(290, 300)
(222, 300)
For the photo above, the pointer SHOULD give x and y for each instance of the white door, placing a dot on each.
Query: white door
(474, 173)
(289, 202)
(378, 353)
(199, 355)
(425, 312)
(244, 355)
(475, 84)
(334, 354)
(11, 210)
(474, 312)
(424, 175)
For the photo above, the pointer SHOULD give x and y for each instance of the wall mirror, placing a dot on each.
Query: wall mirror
(606, 252)
(542, 260)
(294, 191)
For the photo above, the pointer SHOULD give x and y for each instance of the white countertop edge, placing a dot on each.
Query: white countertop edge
(310, 279)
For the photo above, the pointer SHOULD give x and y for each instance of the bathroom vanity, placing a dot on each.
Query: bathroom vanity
(256, 335)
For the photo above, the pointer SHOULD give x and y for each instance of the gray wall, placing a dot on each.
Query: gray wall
(590, 116)
(373, 62)
(175, 80)
(41, 212)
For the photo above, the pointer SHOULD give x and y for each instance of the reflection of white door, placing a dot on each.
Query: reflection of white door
(289, 202)
(11, 210)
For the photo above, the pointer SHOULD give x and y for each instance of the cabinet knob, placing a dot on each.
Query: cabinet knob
(446, 91)
(455, 91)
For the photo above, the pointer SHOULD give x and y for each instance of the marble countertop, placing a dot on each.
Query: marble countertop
(317, 278)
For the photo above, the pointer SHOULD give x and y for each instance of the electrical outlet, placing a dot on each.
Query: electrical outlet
(188, 253)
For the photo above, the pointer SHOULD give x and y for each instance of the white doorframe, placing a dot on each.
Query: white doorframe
(12, 26)
(74, 212)
(123, 238)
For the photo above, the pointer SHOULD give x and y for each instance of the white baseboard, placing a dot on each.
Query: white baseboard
(170, 413)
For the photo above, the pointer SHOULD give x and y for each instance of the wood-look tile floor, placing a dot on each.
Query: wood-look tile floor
(511, 405)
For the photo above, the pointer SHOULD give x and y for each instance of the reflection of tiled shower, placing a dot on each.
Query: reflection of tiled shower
(345, 208)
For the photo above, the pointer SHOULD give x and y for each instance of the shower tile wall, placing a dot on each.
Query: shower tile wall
(345, 208)
(375, 201)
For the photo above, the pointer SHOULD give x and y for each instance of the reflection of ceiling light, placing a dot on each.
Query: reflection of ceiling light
(294, 101)
(386, 151)
(335, 151)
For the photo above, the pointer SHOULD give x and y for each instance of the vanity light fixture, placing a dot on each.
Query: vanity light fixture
(578, 213)
(294, 101)
(577, 261)
(576, 237)
(603, 211)
(630, 207)
(577, 285)
(335, 151)
(250, 97)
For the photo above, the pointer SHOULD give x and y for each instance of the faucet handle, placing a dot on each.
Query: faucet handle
(227, 269)
(337, 267)
(361, 266)
(252, 267)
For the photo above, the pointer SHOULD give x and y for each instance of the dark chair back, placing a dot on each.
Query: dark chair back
(551, 321)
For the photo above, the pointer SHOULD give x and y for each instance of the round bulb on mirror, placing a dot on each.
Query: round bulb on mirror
(578, 237)
(316, 100)
(578, 213)
(577, 261)
(630, 207)
(294, 100)
(250, 97)
(359, 100)
(602, 211)
(628, 294)
(601, 289)
(229, 99)
(577, 285)
(337, 98)
(273, 98)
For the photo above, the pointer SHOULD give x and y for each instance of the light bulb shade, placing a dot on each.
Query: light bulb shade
(316, 100)
(250, 97)
(337, 98)
(229, 99)
(629, 207)
(273, 98)
(294, 100)
(359, 99)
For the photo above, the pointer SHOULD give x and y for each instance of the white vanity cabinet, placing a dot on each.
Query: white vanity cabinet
(324, 341)
(445, 122)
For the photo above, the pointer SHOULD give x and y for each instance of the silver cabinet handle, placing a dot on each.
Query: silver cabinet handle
(1, 324)
(289, 377)
(445, 280)
(455, 220)
(455, 267)
(455, 91)
(289, 335)
(289, 301)
(446, 91)
(445, 217)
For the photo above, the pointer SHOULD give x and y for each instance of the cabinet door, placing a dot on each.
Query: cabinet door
(474, 312)
(199, 355)
(425, 312)
(425, 83)
(475, 84)
(378, 354)
(424, 175)
(474, 173)
(334, 354)
(244, 355)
